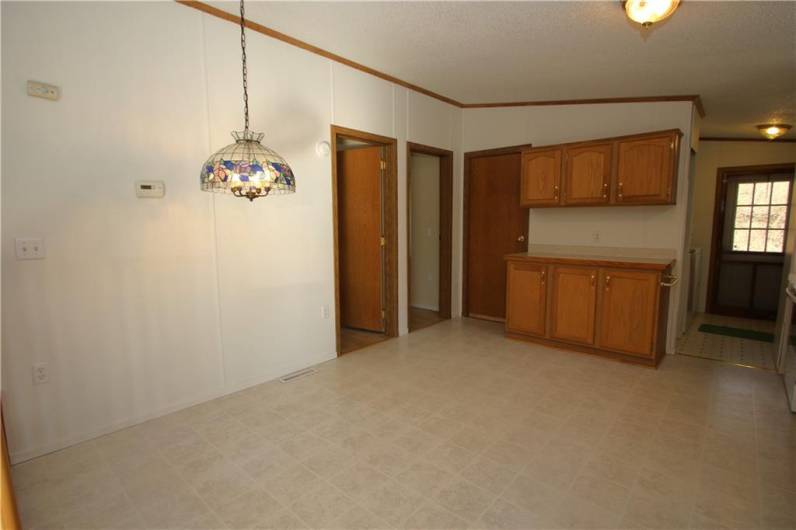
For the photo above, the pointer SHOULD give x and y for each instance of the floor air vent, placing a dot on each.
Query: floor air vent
(296, 375)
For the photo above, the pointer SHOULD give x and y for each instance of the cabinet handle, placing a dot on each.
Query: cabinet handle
(607, 282)
(605, 190)
(555, 192)
(620, 193)
(592, 280)
(543, 276)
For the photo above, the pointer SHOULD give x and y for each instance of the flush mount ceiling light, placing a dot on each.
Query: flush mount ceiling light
(648, 12)
(246, 168)
(772, 131)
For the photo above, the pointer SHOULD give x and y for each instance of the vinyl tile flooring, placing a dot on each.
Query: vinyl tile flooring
(746, 352)
(451, 427)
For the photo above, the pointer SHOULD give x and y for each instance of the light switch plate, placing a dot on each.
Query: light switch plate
(150, 189)
(38, 89)
(30, 248)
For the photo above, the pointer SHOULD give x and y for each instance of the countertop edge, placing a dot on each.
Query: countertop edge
(618, 261)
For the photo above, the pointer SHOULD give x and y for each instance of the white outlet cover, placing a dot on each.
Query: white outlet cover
(150, 189)
(30, 248)
(40, 373)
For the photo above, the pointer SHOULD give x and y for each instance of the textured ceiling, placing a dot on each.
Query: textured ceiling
(739, 56)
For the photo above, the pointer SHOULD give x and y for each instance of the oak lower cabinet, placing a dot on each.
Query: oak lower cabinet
(526, 310)
(573, 299)
(604, 306)
(628, 311)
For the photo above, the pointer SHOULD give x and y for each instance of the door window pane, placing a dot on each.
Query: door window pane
(776, 241)
(762, 192)
(745, 190)
(778, 216)
(779, 192)
(759, 216)
(743, 216)
(757, 241)
(740, 240)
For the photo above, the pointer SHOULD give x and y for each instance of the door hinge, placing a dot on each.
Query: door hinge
(382, 241)
(382, 165)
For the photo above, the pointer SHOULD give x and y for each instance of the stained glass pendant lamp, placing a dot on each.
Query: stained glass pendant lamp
(247, 168)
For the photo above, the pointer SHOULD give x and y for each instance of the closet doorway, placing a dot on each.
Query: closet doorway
(365, 238)
(429, 206)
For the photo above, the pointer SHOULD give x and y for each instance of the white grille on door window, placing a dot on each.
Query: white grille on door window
(761, 215)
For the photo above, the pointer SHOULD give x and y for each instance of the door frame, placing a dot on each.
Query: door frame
(445, 224)
(717, 234)
(514, 149)
(390, 208)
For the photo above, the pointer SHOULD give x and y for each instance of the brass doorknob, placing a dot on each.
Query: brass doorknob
(521, 239)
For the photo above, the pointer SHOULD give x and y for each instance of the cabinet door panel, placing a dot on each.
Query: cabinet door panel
(628, 311)
(573, 301)
(526, 298)
(587, 174)
(646, 170)
(541, 177)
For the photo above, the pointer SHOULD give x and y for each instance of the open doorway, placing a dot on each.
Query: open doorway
(749, 256)
(429, 191)
(365, 238)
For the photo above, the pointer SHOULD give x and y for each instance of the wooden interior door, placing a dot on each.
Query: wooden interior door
(541, 177)
(361, 257)
(587, 174)
(628, 311)
(645, 169)
(573, 304)
(496, 226)
(527, 298)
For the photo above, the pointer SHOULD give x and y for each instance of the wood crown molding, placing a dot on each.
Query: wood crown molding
(269, 32)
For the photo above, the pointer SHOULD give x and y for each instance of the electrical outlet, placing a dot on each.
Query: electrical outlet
(30, 248)
(38, 89)
(325, 311)
(41, 373)
(595, 236)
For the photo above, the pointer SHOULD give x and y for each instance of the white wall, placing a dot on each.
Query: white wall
(637, 226)
(146, 306)
(424, 213)
(710, 157)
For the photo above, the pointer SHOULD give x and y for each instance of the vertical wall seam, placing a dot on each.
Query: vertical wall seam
(213, 215)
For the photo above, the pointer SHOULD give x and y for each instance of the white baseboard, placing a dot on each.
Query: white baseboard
(423, 306)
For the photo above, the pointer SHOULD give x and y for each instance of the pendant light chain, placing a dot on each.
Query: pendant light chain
(245, 71)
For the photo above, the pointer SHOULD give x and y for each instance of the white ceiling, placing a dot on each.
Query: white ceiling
(739, 56)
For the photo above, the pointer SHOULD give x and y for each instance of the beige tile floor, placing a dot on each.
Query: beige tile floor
(733, 350)
(453, 426)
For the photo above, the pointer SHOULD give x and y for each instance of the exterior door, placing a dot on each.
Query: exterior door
(527, 298)
(573, 301)
(645, 170)
(587, 174)
(541, 177)
(628, 311)
(749, 241)
(496, 226)
(360, 213)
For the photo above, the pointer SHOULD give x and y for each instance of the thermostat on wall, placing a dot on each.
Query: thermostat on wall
(150, 189)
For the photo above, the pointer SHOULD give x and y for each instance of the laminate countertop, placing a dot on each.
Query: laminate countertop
(638, 258)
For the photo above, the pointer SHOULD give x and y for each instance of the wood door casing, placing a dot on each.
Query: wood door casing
(526, 299)
(359, 195)
(496, 225)
(645, 170)
(573, 302)
(628, 311)
(587, 174)
(541, 177)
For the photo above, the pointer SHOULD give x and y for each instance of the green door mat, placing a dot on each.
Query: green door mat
(737, 332)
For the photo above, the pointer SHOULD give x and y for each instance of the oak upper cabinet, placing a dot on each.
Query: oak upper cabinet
(628, 311)
(647, 169)
(541, 177)
(526, 298)
(587, 173)
(573, 301)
